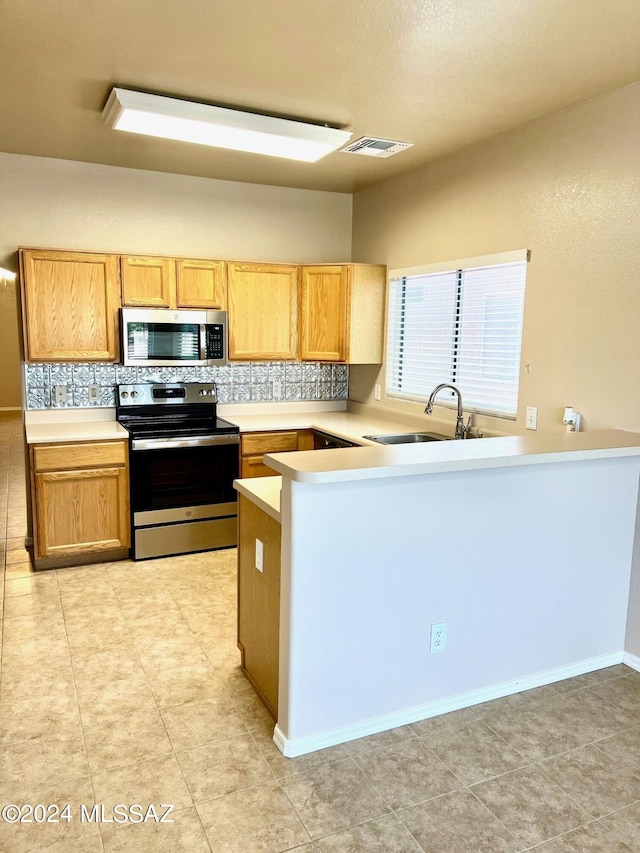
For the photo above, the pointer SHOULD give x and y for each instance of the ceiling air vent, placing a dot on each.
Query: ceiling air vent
(372, 147)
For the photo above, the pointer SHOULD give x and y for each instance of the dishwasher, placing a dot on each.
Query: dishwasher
(324, 441)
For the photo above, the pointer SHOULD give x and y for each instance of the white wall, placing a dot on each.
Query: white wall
(67, 205)
(566, 187)
(64, 204)
(529, 566)
(10, 376)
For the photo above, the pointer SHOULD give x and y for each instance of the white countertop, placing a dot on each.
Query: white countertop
(352, 426)
(379, 461)
(265, 492)
(371, 460)
(45, 433)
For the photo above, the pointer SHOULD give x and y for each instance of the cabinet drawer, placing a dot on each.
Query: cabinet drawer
(253, 466)
(96, 454)
(269, 442)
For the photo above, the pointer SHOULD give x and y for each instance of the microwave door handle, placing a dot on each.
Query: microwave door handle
(203, 342)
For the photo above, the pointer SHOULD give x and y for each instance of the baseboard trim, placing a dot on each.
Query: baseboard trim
(631, 660)
(293, 747)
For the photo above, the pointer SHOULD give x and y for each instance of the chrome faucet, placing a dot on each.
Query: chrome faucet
(461, 427)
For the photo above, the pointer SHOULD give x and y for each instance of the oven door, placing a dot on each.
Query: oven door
(168, 474)
(182, 495)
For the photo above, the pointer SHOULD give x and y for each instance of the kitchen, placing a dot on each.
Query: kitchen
(564, 185)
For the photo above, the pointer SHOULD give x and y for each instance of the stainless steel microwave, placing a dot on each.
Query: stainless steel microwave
(162, 337)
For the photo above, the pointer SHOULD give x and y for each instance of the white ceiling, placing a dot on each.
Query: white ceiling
(442, 74)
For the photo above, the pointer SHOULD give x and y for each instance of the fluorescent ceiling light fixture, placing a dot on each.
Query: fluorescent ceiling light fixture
(187, 121)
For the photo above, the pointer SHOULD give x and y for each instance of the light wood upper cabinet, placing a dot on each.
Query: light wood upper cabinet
(324, 313)
(70, 305)
(81, 498)
(262, 311)
(201, 284)
(342, 313)
(148, 282)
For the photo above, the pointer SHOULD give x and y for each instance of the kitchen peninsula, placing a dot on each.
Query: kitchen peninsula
(522, 545)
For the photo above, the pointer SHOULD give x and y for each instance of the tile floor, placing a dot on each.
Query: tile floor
(120, 684)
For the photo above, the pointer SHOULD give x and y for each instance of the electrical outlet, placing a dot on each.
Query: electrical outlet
(259, 555)
(60, 394)
(94, 392)
(376, 392)
(438, 637)
(276, 387)
(531, 421)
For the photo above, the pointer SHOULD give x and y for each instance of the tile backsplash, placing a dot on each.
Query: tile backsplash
(237, 383)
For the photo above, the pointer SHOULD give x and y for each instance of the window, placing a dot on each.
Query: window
(462, 326)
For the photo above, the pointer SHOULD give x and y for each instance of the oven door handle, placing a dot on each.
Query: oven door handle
(170, 443)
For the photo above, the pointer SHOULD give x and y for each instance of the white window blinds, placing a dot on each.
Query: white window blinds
(461, 326)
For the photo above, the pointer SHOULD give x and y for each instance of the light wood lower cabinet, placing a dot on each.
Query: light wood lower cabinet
(259, 601)
(80, 498)
(254, 445)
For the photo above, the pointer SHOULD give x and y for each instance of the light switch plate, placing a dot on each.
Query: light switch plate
(259, 555)
(531, 421)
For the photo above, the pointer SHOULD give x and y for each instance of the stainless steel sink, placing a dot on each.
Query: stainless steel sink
(407, 437)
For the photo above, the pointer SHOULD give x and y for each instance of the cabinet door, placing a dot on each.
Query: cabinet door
(253, 466)
(70, 304)
(81, 512)
(148, 282)
(262, 311)
(324, 297)
(201, 284)
(259, 601)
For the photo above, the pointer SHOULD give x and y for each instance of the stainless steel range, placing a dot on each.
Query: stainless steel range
(183, 460)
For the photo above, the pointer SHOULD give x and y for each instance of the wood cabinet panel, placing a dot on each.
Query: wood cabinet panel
(324, 299)
(262, 302)
(305, 439)
(253, 466)
(201, 284)
(342, 313)
(80, 498)
(51, 457)
(268, 442)
(259, 601)
(368, 288)
(70, 305)
(254, 445)
(148, 282)
(81, 511)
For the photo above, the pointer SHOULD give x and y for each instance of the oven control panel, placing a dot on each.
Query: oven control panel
(167, 393)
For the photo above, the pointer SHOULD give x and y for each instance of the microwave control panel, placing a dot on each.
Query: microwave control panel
(215, 341)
